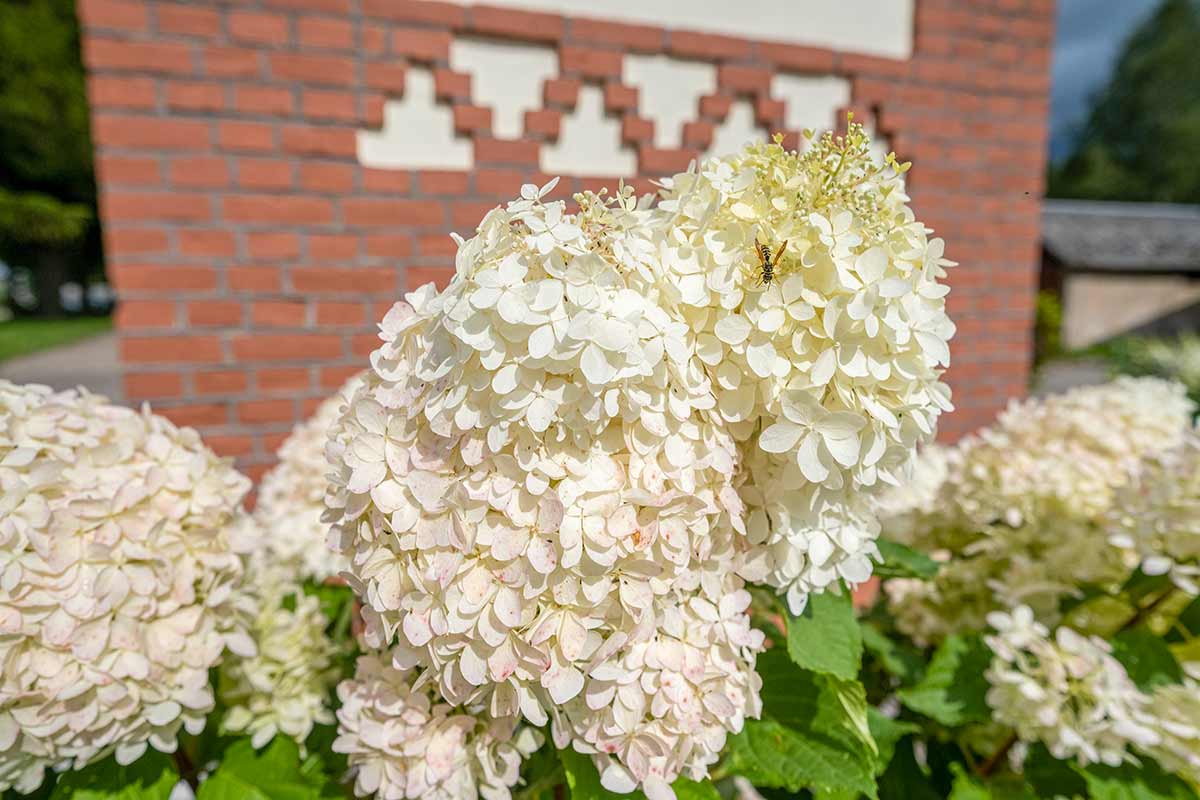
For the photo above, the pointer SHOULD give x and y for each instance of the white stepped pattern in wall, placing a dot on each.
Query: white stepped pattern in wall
(508, 78)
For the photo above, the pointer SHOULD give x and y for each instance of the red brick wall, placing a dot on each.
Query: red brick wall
(253, 254)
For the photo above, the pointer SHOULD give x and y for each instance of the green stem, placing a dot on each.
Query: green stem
(187, 770)
(994, 760)
(342, 625)
(548, 781)
(1145, 611)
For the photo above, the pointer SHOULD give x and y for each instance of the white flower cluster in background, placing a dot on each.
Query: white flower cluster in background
(291, 497)
(404, 743)
(1175, 710)
(560, 471)
(285, 686)
(120, 585)
(1066, 691)
(1020, 514)
(1158, 517)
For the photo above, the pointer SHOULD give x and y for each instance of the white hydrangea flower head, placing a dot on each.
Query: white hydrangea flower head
(405, 743)
(291, 497)
(550, 486)
(1020, 516)
(121, 580)
(1175, 711)
(830, 374)
(1066, 691)
(1157, 517)
(285, 686)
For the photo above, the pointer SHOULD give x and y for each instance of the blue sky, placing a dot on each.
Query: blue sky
(1088, 40)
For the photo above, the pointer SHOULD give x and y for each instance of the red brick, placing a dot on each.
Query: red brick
(433, 182)
(376, 213)
(194, 96)
(281, 379)
(132, 314)
(499, 151)
(561, 92)
(185, 20)
(655, 161)
(258, 412)
(341, 7)
(707, 46)
(134, 240)
(698, 135)
(715, 106)
(620, 99)
(437, 246)
(341, 314)
(112, 91)
(196, 414)
(153, 277)
(199, 172)
(144, 206)
(232, 62)
(254, 279)
(278, 314)
(264, 173)
(324, 104)
(170, 349)
(374, 39)
(251, 26)
(277, 209)
(230, 446)
(323, 176)
(333, 34)
(422, 44)
(416, 277)
(332, 247)
(246, 136)
(281, 246)
(360, 280)
(589, 62)
(150, 385)
(112, 170)
(797, 58)
(390, 181)
(149, 133)
(523, 25)
(635, 130)
(335, 377)
(112, 54)
(769, 113)
(222, 313)
(224, 381)
(499, 182)
(740, 78)
(467, 214)
(311, 140)
(449, 14)
(286, 347)
(112, 14)
(637, 38)
(363, 344)
(544, 124)
(386, 77)
(451, 85)
(264, 100)
(856, 64)
(389, 245)
(214, 243)
(320, 70)
(472, 119)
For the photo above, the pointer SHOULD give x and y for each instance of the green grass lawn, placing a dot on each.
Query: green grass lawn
(21, 337)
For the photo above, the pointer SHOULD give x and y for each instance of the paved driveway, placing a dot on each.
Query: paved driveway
(90, 362)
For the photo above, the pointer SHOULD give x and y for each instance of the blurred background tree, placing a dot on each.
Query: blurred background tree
(1143, 132)
(47, 187)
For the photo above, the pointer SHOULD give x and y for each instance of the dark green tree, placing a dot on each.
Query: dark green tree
(47, 188)
(1141, 141)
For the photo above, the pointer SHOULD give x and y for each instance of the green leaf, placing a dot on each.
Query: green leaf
(897, 658)
(901, 561)
(274, 773)
(904, 778)
(816, 736)
(826, 637)
(953, 690)
(966, 787)
(1147, 781)
(887, 732)
(694, 790)
(1050, 777)
(1188, 623)
(1146, 658)
(151, 777)
(583, 780)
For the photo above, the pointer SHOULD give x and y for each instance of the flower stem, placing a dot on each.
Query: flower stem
(187, 770)
(993, 761)
(1145, 611)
